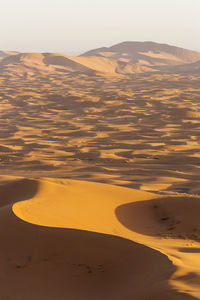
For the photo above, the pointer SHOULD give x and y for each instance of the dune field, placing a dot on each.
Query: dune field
(99, 174)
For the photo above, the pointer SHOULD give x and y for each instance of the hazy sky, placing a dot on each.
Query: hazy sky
(74, 26)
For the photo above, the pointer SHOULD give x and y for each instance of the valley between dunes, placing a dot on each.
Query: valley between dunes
(69, 239)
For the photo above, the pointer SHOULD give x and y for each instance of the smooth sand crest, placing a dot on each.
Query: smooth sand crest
(74, 234)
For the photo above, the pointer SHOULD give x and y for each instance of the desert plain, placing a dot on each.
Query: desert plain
(99, 174)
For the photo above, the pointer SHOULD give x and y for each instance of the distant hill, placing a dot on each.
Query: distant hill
(135, 50)
(131, 57)
(118, 60)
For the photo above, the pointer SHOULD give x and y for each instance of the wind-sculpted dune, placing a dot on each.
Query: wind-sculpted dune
(67, 239)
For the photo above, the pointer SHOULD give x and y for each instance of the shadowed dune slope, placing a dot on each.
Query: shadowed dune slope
(177, 217)
(63, 240)
(65, 61)
(54, 263)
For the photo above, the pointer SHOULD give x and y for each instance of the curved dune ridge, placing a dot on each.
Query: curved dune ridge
(67, 239)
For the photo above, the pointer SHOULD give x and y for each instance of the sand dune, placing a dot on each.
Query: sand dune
(121, 59)
(87, 241)
(42, 62)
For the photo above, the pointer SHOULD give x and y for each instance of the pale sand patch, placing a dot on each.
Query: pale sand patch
(111, 153)
(153, 186)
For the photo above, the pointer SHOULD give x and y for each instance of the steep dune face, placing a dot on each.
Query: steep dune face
(67, 239)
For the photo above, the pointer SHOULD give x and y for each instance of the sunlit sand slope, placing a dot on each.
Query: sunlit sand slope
(65, 239)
